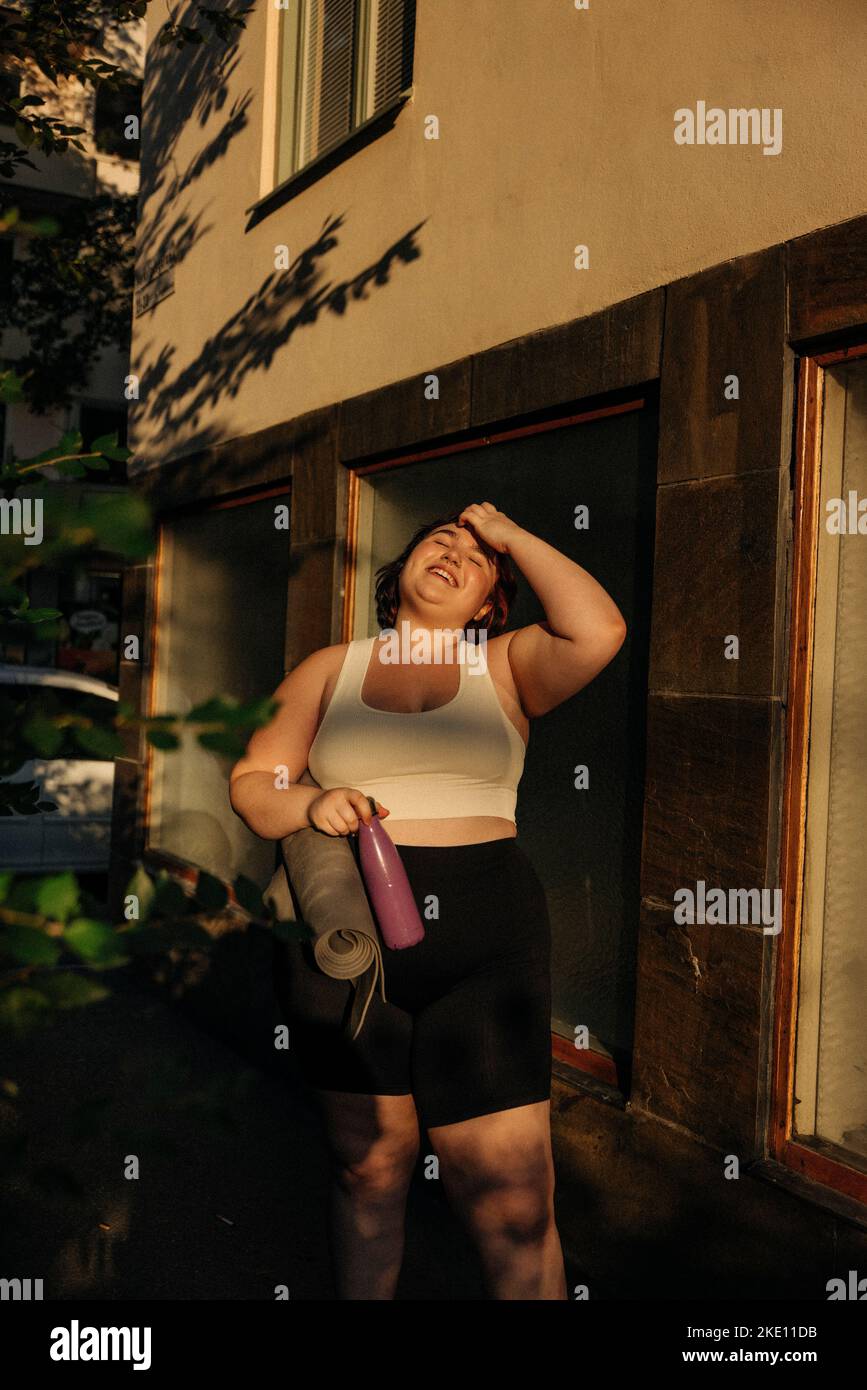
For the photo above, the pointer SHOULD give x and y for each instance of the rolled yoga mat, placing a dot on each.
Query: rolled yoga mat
(319, 883)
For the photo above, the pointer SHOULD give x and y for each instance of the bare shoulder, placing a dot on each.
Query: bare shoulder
(320, 664)
(288, 735)
(326, 659)
(497, 652)
(303, 686)
(318, 674)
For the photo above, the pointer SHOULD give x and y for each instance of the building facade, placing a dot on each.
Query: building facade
(608, 270)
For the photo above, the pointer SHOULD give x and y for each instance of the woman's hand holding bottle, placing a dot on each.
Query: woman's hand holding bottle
(338, 811)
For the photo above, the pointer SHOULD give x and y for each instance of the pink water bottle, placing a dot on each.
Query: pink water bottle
(388, 886)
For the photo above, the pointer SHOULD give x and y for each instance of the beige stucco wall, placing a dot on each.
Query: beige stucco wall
(556, 128)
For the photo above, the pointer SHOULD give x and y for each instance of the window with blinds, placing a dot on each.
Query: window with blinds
(341, 62)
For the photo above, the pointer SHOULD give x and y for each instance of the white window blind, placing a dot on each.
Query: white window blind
(329, 52)
(342, 61)
(395, 22)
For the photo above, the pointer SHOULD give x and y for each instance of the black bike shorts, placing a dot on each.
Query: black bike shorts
(466, 1024)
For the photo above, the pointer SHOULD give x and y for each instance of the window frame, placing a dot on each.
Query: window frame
(588, 1067)
(365, 125)
(812, 1157)
(154, 857)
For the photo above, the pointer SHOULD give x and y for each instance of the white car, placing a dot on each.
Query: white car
(76, 836)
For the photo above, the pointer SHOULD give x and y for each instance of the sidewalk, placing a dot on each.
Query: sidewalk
(220, 1210)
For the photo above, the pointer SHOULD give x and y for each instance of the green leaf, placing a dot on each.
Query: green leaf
(169, 898)
(58, 897)
(27, 945)
(107, 444)
(43, 615)
(42, 734)
(141, 886)
(95, 942)
(230, 744)
(11, 388)
(161, 738)
(5, 879)
(102, 743)
(122, 521)
(256, 712)
(70, 989)
(210, 892)
(208, 711)
(45, 226)
(21, 1008)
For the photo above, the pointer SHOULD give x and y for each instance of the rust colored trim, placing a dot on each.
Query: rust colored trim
(350, 558)
(808, 445)
(584, 1060)
(806, 502)
(846, 354)
(828, 1172)
(441, 450)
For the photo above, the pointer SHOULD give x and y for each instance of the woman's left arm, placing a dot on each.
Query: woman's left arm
(584, 628)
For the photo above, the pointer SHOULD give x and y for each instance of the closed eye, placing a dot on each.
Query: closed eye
(444, 532)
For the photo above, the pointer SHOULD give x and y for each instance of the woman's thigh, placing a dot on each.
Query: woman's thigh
(506, 1152)
(373, 1135)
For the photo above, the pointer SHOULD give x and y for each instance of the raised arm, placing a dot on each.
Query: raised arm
(584, 628)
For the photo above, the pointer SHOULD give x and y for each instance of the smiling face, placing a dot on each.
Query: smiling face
(449, 569)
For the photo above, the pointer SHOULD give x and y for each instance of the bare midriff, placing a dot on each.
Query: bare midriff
(450, 830)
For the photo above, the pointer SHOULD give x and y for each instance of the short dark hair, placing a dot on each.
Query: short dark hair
(502, 594)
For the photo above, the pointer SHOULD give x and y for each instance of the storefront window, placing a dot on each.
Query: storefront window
(585, 844)
(831, 1053)
(221, 622)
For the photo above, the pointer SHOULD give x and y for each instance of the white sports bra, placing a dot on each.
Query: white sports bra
(464, 758)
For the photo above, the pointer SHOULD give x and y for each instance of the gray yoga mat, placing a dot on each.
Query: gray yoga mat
(319, 883)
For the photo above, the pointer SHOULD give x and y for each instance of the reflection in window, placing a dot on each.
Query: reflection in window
(221, 627)
(831, 1056)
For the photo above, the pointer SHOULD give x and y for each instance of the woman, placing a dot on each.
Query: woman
(463, 1041)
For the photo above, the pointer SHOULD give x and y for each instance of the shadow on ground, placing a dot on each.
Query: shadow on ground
(232, 1192)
